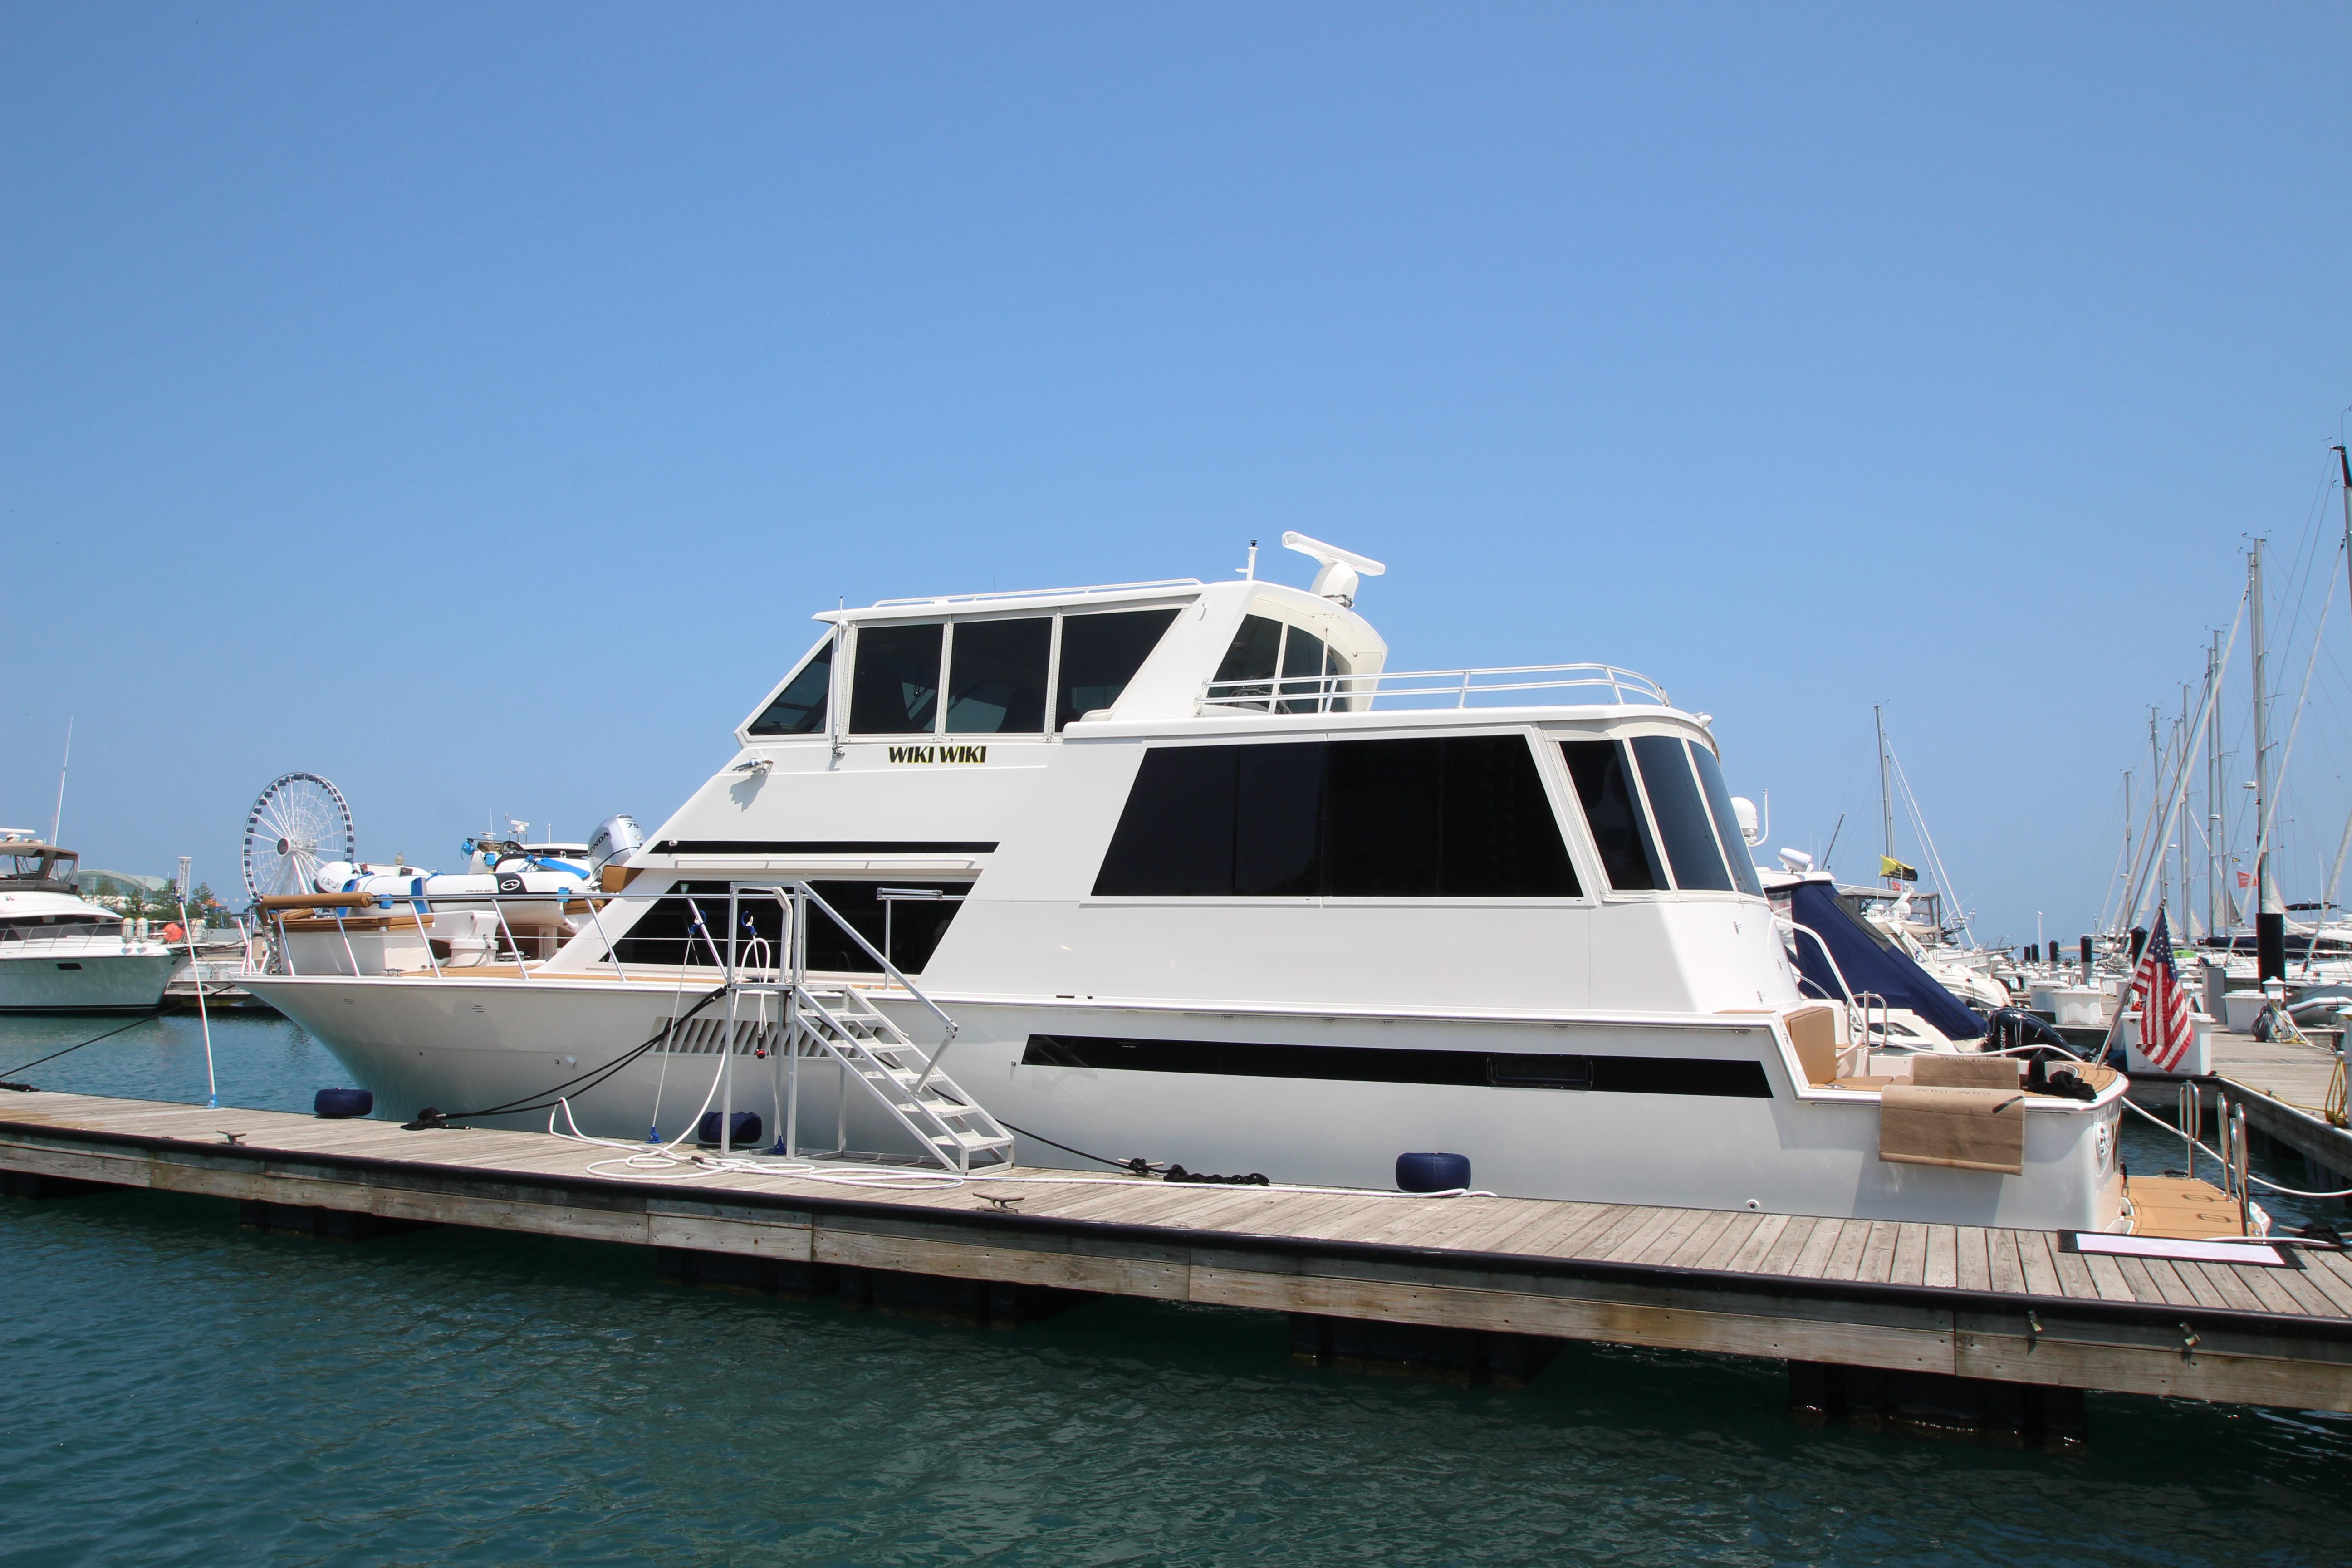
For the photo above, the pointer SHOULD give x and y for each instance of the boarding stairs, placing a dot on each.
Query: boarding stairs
(834, 1019)
(842, 1023)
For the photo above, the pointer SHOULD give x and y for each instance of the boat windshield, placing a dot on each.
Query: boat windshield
(35, 863)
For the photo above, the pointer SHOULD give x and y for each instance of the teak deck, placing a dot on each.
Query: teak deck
(2002, 1305)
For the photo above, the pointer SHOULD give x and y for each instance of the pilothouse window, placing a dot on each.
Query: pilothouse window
(1100, 654)
(1604, 785)
(1691, 846)
(996, 680)
(798, 707)
(896, 689)
(1687, 802)
(1288, 656)
(1726, 821)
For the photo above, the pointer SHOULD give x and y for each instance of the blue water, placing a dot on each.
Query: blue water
(175, 1389)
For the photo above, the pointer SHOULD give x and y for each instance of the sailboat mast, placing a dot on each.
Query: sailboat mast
(2185, 884)
(57, 820)
(2213, 787)
(2270, 918)
(1886, 795)
(2156, 771)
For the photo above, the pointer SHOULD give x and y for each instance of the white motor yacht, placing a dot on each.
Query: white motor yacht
(61, 953)
(1183, 871)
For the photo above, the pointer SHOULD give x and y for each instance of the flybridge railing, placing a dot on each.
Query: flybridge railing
(1086, 590)
(1580, 685)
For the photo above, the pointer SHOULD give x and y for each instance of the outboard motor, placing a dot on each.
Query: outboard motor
(615, 839)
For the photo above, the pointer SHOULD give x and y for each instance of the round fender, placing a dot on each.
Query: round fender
(337, 1103)
(1431, 1172)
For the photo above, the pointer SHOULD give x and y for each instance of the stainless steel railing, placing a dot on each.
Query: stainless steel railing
(1503, 685)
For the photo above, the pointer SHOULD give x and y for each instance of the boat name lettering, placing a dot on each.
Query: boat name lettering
(938, 753)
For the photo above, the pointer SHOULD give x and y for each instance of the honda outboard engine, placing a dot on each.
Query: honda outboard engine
(614, 840)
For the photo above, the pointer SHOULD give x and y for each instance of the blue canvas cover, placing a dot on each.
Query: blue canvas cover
(1869, 961)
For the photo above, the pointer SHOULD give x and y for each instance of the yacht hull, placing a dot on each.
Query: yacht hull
(462, 1045)
(96, 977)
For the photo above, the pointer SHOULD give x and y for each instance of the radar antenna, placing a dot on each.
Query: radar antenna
(1341, 568)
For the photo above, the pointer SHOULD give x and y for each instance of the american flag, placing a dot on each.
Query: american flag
(2165, 1034)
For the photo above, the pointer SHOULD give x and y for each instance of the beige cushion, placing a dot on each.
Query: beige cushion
(1813, 1031)
(1969, 1129)
(1965, 1072)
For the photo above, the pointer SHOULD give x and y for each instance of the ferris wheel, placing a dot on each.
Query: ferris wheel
(300, 823)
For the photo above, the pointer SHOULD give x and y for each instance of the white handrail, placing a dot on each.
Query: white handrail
(1430, 688)
(1033, 594)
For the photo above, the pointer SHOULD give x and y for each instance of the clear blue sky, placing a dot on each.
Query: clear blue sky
(471, 402)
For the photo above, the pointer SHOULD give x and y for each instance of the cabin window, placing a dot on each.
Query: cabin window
(1100, 654)
(1462, 816)
(1255, 654)
(1264, 649)
(1176, 834)
(1302, 669)
(895, 688)
(1726, 821)
(1681, 814)
(996, 677)
(907, 927)
(1604, 786)
(27, 928)
(798, 707)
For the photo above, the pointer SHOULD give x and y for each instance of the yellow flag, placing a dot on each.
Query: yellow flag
(1889, 867)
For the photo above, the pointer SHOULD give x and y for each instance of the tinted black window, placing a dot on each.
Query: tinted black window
(1464, 817)
(1100, 654)
(1501, 838)
(1302, 658)
(913, 926)
(996, 680)
(1605, 787)
(1254, 650)
(798, 707)
(1277, 817)
(1387, 816)
(1176, 834)
(1682, 816)
(895, 688)
(665, 933)
(1727, 824)
(1253, 655)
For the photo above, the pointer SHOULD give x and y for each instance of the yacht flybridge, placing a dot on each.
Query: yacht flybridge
(1182, 871)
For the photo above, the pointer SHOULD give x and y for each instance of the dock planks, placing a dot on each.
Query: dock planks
(1968, 1300)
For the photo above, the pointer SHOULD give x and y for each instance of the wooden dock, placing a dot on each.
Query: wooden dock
(1999, 1307)
(2283, 1087)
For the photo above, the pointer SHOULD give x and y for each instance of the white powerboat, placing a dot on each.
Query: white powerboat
(1196, 878)
(61, 953)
